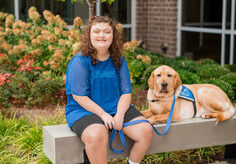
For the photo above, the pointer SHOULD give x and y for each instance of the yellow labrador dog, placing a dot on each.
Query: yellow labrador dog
(210, 100)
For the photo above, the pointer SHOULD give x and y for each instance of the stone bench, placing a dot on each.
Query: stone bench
(62, 146)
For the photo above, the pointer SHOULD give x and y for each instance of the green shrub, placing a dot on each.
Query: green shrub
(231, 79)
(188, 77)
(232, 67)
(187, 64)
(136, 69)
(206, 61)
(208, 71)
(146, 74)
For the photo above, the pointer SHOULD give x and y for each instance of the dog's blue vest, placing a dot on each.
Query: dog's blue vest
(186, 94)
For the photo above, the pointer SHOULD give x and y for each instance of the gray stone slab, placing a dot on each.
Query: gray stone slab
(62, 146)
(229, 161)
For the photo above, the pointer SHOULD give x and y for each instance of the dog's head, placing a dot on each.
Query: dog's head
(164, 81)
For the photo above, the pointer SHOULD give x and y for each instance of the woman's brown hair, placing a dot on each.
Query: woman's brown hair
(116, 46)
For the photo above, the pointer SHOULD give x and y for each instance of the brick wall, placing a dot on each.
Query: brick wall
(156, 25)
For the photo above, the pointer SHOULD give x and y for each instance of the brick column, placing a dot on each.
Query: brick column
(156, 25)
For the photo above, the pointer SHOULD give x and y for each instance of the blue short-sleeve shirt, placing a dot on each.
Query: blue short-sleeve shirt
(102, 83)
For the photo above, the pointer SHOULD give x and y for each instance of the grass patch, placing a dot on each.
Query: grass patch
(21, 139)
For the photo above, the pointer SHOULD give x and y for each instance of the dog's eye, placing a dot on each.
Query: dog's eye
(159, 75)
(169, 75)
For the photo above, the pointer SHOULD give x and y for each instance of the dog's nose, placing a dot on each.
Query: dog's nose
(164, 84)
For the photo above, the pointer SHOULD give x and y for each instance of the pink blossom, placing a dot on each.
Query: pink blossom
(20, 61)
(38, 68)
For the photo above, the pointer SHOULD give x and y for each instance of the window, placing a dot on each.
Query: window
(198, 46)
(66, 10)
(207, 29)
(7, 6)
(121, 11)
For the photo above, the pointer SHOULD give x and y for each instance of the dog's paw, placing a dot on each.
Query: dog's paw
(206, 115)
(152, 120)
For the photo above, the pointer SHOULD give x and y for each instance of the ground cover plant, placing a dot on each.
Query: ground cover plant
(33, 60)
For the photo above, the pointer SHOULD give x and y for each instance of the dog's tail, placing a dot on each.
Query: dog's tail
(226, 115)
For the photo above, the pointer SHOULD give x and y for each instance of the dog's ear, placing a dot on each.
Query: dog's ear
(178, 81)
(151, 81)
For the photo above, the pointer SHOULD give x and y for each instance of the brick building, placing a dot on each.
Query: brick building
(194, 28)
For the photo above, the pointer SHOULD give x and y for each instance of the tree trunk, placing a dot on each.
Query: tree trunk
(91, 4)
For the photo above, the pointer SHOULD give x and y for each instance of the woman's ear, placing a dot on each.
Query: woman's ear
(178, 81)
(151, 81)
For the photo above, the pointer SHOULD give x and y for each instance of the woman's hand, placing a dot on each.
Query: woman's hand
(119, 120)
(108, 120)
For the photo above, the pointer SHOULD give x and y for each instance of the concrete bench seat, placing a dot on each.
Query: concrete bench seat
(62, 146)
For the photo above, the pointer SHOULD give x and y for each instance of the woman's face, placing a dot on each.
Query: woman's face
(101, 35)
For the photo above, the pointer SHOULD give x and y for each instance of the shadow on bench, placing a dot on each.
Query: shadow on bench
(61, 145)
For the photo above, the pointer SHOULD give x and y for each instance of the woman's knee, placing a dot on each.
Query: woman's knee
(95, 135)
(146, 132)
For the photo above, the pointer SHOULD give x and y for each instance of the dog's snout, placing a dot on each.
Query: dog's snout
(164, 84)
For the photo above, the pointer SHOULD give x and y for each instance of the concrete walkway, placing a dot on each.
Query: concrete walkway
(229, 161)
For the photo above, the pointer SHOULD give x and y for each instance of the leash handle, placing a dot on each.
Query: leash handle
(122, 138)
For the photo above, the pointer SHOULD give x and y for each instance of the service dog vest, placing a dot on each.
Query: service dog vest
(186, 94)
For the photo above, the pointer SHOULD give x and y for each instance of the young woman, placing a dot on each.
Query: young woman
(99, 93)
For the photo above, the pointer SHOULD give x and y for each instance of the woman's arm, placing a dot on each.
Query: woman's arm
(92, 107)
(124, 103)
(122, 107)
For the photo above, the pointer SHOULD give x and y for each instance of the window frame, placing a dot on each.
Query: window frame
(223, 31)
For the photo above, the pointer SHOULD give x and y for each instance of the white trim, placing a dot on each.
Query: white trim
(206, 30)
(127, 25)
(98, 8)
(133, 19)
(179, 22)
(231, 59)
(201, 21)
(69, 26)
(16, 9)
(222, 59)
(197, 24)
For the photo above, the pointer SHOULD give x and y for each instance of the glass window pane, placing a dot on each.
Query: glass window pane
(191, 13)
(228, 14)
(201, 45)
(234, 50)
(127, 34)
(7, 6)
(212, 13)
(202, 13)
(82, 11)
(66, 10)
(227, 49)
(119, 10)
(235, 17)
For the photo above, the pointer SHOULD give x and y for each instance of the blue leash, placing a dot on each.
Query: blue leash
(122, 138)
